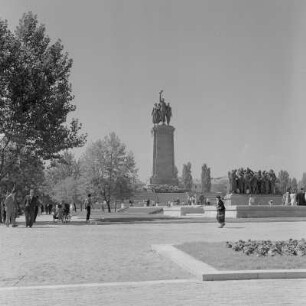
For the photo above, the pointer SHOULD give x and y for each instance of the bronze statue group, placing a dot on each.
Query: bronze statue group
(161, 112)
(254, 182)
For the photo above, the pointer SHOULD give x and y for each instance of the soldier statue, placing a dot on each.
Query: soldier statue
(161, 112)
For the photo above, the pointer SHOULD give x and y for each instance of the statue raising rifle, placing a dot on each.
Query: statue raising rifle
(161, 112)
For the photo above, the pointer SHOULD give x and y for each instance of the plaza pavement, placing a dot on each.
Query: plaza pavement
(113, 264)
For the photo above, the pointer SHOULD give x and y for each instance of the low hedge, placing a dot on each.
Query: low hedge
(166, 189)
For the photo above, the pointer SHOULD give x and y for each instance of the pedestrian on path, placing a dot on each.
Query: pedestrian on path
(2, 219)
(3, 212)
(88, 206)
(37, 209)
(286, 197)
(300, 198)
(251, 200)
(293, 198)
(220, 212)
(30, 203)
(11, 208)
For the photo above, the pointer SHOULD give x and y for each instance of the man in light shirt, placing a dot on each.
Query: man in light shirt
(11, 208)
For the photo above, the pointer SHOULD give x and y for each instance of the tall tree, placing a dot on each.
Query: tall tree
(205, 179)
(26, 174)
(302, 182)
(109, 169)
(187, 177)
(63, 179)
(35, 95)
(294, 184)
(284, 181)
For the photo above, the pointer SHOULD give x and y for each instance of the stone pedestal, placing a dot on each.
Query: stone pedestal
(163, 156)
(259, 199)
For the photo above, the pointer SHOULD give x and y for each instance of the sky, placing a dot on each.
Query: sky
(233, 71)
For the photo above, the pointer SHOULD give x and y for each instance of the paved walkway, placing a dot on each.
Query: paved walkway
(113, 264)
(265, 292)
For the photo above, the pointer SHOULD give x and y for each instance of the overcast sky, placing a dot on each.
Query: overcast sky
(234, 72)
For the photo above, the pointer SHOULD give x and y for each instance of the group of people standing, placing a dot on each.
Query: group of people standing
(292, 197)
(9, 208)
(32, 207)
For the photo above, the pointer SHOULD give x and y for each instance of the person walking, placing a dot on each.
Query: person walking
(251, 200)
(286, 197)
(30, 203)
(300, 198)
(88, 206)
(220, 212)
(37, 209)
(1, 210)
(50, 208)
(293, 198)
(11, 208)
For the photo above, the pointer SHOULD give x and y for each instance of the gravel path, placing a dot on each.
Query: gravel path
(55, 255)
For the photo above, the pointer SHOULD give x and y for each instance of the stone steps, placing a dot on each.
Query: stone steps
(195, 215)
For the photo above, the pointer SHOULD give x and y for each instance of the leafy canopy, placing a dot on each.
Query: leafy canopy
(110, 170)
(205, 179)
(35, 92)
(187, 179)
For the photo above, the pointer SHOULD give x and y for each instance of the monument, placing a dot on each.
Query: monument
(163, 145)
(260, 184)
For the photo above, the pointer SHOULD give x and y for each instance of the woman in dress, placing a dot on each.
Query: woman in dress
(220, 212)
(287, 200)
(293, 198)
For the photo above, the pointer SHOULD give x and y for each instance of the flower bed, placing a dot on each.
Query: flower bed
(166, 189)
(224, 259)
(292, 247)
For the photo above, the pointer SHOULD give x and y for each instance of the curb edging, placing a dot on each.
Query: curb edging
(206, 272)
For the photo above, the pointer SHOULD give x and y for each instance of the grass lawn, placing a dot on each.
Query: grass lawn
(220, 257)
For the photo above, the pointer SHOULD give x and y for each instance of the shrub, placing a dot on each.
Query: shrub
(166, 188)
(268, 248)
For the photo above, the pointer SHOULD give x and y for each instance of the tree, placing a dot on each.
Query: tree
(35, 95)
(63, 179)
(205, 179)
(26, 174)
(110, 171)
(283, 181)
(302, 182)
(294, 184)
(187, 177)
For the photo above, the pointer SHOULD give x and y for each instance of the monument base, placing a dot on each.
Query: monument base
(163, 181)
(163, 156)
(236, 212)
(180, 211)
(259, 199)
